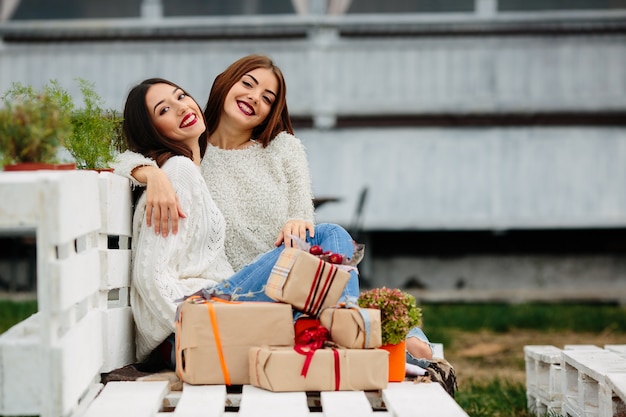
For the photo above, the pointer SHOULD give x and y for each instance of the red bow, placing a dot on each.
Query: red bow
(308, 341)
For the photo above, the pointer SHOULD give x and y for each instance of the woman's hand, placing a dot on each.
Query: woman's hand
(161, 200)
(296, 228)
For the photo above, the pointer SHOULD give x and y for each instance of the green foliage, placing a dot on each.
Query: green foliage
(34, 124)
(96, 137)
(399, 312)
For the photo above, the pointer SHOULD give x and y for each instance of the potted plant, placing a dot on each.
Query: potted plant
(399, 313)
(34, 125)
(97, 134)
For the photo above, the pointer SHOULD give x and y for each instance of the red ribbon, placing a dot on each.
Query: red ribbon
(308, 341)
(337, 370)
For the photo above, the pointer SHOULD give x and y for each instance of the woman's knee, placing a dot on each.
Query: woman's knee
(419, 348)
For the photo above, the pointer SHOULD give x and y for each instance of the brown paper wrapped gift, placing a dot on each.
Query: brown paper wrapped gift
(213, 337)
(353, 327)
(305, 281)
(280, 369)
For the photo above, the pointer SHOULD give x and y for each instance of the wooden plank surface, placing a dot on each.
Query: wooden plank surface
(129, 399)
(201, 401)
(257, 402)
(406, 399)
(346, 403)
(617, 382)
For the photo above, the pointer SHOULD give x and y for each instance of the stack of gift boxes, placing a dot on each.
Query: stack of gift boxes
(331, 347)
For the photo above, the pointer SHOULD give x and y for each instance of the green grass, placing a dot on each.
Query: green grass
(494, 398)
(12, 312)
(502, 318)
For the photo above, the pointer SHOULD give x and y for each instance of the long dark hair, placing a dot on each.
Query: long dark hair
(141, 134)
(277, 120)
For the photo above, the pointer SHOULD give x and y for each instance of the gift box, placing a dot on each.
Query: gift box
(353, 327)
(213, 337)
(329, 369)
(305, 281)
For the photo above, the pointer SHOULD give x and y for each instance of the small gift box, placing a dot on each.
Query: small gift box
(329, 369)
(213, 337)
(305, 281)
(353, 327)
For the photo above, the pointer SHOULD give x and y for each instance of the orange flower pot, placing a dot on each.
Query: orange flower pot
(397, 360)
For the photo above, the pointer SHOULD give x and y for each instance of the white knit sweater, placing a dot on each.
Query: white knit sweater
(257, 189)
(166, 269)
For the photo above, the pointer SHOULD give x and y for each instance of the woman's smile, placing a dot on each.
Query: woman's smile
(245, 108)
(189, 120)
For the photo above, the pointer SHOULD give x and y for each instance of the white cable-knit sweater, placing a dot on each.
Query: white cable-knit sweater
(166, 269)
(257, 189)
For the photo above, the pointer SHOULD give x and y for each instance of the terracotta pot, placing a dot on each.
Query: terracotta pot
(397, 361)
(38, 166)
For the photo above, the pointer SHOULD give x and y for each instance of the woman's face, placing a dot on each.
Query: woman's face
(250, 99)
(174, 114)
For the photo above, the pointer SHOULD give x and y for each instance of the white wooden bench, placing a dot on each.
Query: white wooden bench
(51, 363)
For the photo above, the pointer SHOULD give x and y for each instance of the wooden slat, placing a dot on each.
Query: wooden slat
(119, 338)
(617, 383)
(72, 205)
(596, 362)
(73, 279)
(114, 268)
(257, 402)
(20, 367)
(115, 197)
(129, 399)
(345, 403)
(76, 361)
(201, 401)
(407, 399)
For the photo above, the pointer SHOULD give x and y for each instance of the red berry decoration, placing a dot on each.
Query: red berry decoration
(316, 250)
(335, 258)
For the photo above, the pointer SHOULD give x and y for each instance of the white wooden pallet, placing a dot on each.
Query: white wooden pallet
(587, 390)
(543, 379)
(149, 399)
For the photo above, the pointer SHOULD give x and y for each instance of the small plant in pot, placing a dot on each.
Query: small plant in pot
(399, 312)
(97, 134)
(34, 125)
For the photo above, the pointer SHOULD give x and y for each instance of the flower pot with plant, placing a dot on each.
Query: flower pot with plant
(399, 313)
(34, 125)
(97, 134)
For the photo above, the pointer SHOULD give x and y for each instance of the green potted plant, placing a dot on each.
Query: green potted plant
(399, 313)
(34, 125)
(97, 134)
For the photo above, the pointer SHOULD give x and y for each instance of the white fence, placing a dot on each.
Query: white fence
(52, 361)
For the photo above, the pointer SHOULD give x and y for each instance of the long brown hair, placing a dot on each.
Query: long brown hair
(277, 120)
(141, 134)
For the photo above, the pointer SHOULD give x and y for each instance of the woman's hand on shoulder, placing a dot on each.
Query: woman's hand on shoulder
(162, 205)
(294, 228)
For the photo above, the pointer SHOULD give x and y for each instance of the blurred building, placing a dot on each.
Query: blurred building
(489, 135)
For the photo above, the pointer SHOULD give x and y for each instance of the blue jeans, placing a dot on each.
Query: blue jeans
(248, 284)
